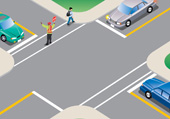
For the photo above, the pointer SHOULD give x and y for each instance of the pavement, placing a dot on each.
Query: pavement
(156, 61)
(7, 62)
(80, 112)
(80, 17)
(90, 64)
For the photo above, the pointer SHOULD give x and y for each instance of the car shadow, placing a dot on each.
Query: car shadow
(155, 102)
(141, 17)
(8, 43)
(11, 44)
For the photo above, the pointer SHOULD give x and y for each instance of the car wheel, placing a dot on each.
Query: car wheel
(150, 9)
(3, 38)
(128, 23)
(148, 95)
(107, 22)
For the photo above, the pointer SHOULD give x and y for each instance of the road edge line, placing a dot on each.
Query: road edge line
(16, 103)
(150, 105)
(25, 28)
(147, 22)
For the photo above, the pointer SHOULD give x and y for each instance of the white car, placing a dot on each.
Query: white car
(129, 11)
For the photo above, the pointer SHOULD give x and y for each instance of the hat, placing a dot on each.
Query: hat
(49, 23)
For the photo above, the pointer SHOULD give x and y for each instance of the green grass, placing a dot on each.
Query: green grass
(167, 61)
(78, 5)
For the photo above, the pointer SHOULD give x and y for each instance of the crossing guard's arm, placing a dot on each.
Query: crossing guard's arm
(45, 26)
(53, 25)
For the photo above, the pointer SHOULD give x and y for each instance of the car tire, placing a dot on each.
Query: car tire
(3, 38)
(107, 22)
(150, 9)
(128, 23)
(148, 95)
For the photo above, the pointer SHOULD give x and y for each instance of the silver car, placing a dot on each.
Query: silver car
(129, 11)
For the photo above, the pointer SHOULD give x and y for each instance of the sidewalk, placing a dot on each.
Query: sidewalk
(156, 61)
(80, 112)
(6, 62)
(80, 17)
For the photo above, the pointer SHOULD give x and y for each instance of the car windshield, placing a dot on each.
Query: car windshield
(7, 24)
(124, 9)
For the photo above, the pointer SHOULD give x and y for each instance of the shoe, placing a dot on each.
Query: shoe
(73, 21)
(68, 24)
(46, 44)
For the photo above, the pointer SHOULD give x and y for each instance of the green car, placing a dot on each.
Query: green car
(9, 31)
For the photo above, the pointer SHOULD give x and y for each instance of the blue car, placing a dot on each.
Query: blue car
(158, 90)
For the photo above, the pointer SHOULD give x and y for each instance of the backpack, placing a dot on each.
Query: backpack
(68, 13)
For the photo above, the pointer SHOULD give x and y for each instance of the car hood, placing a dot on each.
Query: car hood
(153, 83)
(117, 15)
(14, 31)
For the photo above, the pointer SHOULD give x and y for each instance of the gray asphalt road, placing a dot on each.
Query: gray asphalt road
(79, 65)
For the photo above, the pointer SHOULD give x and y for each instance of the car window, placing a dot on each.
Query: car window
(124, 9)
(165, 95)
(134, 10)
(159, 91)
(141, 5)
(7, 24)
(144, 1)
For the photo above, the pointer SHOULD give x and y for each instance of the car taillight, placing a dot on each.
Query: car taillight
(155, 1)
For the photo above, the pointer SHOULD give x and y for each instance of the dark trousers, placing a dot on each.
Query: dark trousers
(49, 38)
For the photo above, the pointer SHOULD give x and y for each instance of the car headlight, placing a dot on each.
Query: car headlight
(13, 38)
(107, 17)
(22, 33)
(118, 23)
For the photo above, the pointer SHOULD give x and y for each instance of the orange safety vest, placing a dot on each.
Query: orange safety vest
(49, 29)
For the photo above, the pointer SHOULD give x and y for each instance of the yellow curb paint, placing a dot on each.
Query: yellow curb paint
(150, 105)
(148, 22)
(16, 103)
(25, 28)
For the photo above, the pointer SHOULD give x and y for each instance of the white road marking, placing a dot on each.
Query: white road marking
(139, 84)
(21, 44)
(49, 45)
(111, 29)
(112, 25)
(122, 90)
(37, 39)
(47, 101)
(113, 83)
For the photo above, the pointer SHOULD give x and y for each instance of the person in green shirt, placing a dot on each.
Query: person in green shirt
(49, 28)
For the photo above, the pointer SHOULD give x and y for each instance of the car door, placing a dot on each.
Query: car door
(134, 13)
(157, 94)
(165, 99)
(0, 31)
(142, 9)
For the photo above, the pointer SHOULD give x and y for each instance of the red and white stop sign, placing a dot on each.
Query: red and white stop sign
(54, 19)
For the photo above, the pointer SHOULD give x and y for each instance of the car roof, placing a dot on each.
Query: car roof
(3, 17)
(132, 3)
(154, 83)
(165, 87)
